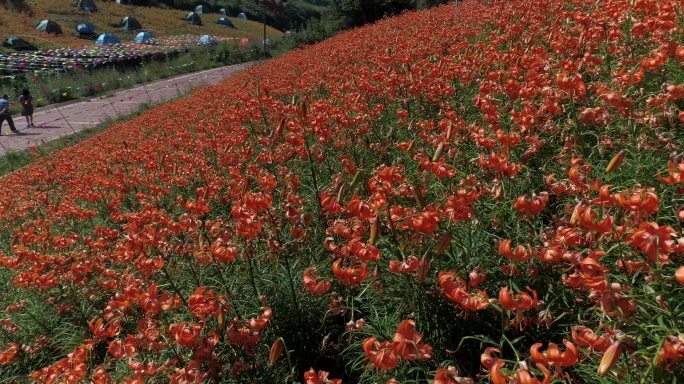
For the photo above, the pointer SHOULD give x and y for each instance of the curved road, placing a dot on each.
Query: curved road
(53, 121)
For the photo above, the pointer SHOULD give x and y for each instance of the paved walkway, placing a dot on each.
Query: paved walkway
(53, 122)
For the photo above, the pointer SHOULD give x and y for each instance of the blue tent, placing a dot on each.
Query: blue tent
(206, 40)
(86, 29)
(266, 42)
(144, 38)
(107, 38)
(226, 22)
(242, 16)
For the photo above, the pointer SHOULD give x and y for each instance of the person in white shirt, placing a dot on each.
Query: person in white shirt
(5, 115)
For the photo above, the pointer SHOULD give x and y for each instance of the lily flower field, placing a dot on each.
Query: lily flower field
(482, 194)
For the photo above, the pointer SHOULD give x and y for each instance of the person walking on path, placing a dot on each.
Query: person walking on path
(5, 115)
(26, 101)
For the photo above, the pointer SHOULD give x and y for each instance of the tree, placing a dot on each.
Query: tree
(355, 13)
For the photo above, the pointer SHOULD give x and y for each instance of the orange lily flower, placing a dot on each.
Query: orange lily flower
(448, 376)
(554, 357)
(352, 274)
(380, 354)
(260, 322)
(523, 376)
(477, 276)
(406, 342)
(100, 331)
(315, 286)
(486, 358)
(638, 200)
(550, 255)
(679, 275)
(519, 254)
(204, 303)
(654, 240)
(605, 199)
(675, 177)
(585, 337)
(100, 376)
(496, 376)
(363, 251)
(455, 290)
(185, 336)
(672, 351)
(311, 377)
(532, 206)
(409, 265)
(518, 303)
(8, 354)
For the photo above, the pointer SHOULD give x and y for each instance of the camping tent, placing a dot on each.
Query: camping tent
(18, 44)
(243, 42)
(266, 42)
(85, 29)
(49, 26)
(202, 9)
(86, 5)
(193, 18)
(144, 38)
(206, 40)
(226, 22)
(223, 12)
(107, 38)
(242, 16)
(130, 23)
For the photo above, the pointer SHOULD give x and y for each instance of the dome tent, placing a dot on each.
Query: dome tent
(242, 16)
(223, 12)
(49, 26)
(226, 22)
(144, 38)
(18, 44)
(86, 5)
(193, 18)
(107, 38)
(202, 9)
(85, 29)
(206, 40)
(130, 24)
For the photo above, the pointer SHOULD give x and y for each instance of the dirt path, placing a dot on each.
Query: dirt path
(53, 122)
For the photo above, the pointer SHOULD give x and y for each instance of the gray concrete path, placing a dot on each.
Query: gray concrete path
(53, 121)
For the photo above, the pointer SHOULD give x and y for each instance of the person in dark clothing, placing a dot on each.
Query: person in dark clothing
(4, 113)
(26, 101)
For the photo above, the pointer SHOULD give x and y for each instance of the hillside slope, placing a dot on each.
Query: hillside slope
(492, 194)
(160, 22)
(296, 13)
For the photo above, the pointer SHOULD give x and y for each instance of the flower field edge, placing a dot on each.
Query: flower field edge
(488, 193)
